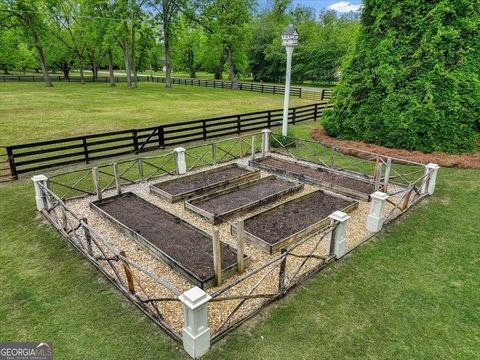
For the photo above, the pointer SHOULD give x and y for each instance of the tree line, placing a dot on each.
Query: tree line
(240, 37)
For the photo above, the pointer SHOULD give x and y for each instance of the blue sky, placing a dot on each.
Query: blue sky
(340, 6)
(335, 4)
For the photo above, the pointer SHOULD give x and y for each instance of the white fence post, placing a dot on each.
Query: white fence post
(180, 160)
(429, 182)
(253, 148)
(376, 216)
(265, 141)
(339, 234)
(386, 179)
(196, 334)
(40, 198)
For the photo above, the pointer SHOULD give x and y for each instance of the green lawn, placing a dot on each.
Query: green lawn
(410, 293)
(32, 112)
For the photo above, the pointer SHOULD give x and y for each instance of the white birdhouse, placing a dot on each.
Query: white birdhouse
(290, 36)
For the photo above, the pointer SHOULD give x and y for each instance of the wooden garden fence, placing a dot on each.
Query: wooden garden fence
(24, 158)
(405, 182)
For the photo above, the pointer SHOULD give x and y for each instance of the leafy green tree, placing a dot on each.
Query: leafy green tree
(166, 14)
(266, 55)
(188, 46)
(30, 18)
(227, 23)
(413, 81)
(8, 48)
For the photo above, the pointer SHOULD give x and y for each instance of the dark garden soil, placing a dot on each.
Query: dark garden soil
(320, 174)
(282, 222)
(200, 180)
(465, 161)
(187, 246)
(224, 203)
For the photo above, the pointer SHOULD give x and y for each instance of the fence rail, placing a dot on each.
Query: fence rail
(310, 93)
(36, 156)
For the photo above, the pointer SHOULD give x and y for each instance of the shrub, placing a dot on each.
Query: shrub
(413, 79)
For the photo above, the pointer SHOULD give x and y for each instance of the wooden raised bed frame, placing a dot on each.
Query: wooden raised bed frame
(158, 253)
(251, 175)
(310, 180)
(219, 218)
(283, 243)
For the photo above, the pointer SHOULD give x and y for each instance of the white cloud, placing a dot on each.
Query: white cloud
(345, 6)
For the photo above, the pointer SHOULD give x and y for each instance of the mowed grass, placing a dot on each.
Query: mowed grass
(31, 112)
(412, 292)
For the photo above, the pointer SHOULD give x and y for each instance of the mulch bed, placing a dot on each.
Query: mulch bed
(278, 224)
(184, 244)
(465, 161)
(320, 174)
(190, 183)
(224, 203)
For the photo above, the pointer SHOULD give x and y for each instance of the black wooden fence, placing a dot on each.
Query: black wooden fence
(311, 93)
(36, 156)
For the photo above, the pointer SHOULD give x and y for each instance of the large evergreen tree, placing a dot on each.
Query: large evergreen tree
(413, 79)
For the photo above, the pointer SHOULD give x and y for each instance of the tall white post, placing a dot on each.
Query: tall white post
(180, 160)
(265, 141)
(376, 216)
(286, 98)
(196, 334)
(339, 234)
(429, 182)
(40, 198)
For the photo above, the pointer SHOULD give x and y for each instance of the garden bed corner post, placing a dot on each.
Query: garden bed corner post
(429, 182)
(180, 160)
(376, 215)
(339, 234)
(196, 334)
(40, 198)
(265, 141)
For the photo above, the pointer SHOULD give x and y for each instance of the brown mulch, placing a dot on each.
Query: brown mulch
(464, 161)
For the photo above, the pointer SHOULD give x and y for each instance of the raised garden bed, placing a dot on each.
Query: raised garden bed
(182, 246)
(287, 223)
(194, 185)
(236, 200)
(318, 175)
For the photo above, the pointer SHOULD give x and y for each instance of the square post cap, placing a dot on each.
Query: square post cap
(378, 195)
(339, 216)
(179, 149)
(266, 131)
(433, 166)
(194, 297)
(39, 178)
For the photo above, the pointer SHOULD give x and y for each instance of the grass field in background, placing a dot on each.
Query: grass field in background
(412, 292)
(181, 74)
(32, 112)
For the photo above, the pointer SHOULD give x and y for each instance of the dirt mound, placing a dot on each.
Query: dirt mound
(464, 161)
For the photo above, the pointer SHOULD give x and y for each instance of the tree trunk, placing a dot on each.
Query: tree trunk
(190, 59)
(166, 45)
(134, 59)
(232, 69)
(66, 72)
(110, 68)
(39, 49)
(94, 70)
(127, 63)
(82, 79)
(219, 68)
